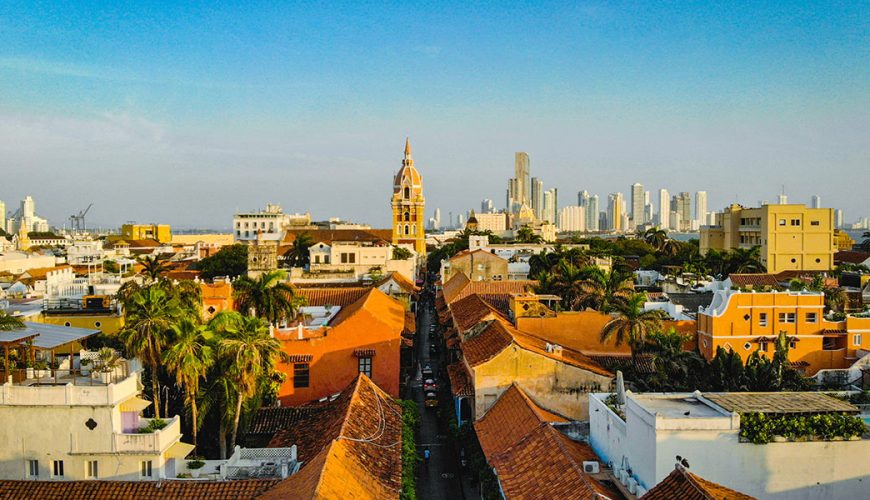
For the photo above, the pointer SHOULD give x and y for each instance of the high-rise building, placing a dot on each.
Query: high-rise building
(437, 219)
(664, 215)
(637, 204)
(460, 221)
(791, 238)
(409, 205)
(538, 197)
(2, 215)
(486, 206)
(551, 206)
(681, 204)
(782, 199)
(583, 198)
(701, 207)
(572, 218)
(839, 218)
(816, 201)
(615, 211)
(519, 188)
(592, 214)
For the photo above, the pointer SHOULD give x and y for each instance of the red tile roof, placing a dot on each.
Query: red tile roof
(329, 235)
(130, 490)
(470, 311)
(684, 485)
(493, 339)
(343, 296)
(760, 279)
(459, 287)
(400, 279)
(531, 458)
(460, 380)
(851, 257)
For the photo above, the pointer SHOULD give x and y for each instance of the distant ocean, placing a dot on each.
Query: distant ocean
(855, 234)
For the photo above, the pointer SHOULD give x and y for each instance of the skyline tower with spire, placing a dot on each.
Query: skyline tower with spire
(409, 205)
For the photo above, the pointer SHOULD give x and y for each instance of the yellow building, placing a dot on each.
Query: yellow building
(409, 205)
(748, 322)
(791, 237)
(159, 232)
(842, 240)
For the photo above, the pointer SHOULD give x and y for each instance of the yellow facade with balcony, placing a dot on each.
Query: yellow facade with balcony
(158, 232)
(791, 237)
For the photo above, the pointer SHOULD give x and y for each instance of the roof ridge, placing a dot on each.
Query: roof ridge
(354, 396)
(691, 478)
(577, 468)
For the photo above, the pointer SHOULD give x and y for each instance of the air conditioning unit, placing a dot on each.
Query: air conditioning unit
(641, 491)
(623, 477)
(590, 467)
(632, 485)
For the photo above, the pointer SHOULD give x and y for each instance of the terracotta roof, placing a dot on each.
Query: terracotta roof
(453, 286)
(380, 307)
(410, 322)
(181, 275)
(852, 257)
(361, 448)
(779, 402)
(466, 253)
(684, 485)
(460, 380)
(268, 422)
(470, 311)
(833, 331)
(114, 490)
(613, 362)
(760, 279)
(400, 280)
(459, 287)
(501, 302)
(531, 458)
(493, 339)
(329, 235)
(40, 273)
(343, 296)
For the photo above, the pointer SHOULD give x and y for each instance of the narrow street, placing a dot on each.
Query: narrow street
(439, 479)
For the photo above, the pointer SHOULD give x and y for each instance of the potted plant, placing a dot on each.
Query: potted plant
(107, 360)
(194, 465)
(85, 366)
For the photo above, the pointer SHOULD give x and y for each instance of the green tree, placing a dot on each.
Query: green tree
(603, 290)
(655, 237)
(299, 254)
(188, 359)
(269, 296)
(187, 292)
(745, 260)
(401, 253)
(8, 323)
(251, 354)
(725, 372)
(632, 324)
(231, 260)
(675, 368)
(525, 234)
(155, 266)
(149, 317)
(835, 298)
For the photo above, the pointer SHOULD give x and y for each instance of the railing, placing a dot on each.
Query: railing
(152, 442)
(67, 387)
(83, 377)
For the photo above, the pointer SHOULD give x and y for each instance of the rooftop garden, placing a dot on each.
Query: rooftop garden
(760, 428)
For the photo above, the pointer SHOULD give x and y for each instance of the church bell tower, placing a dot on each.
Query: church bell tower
(409, 205)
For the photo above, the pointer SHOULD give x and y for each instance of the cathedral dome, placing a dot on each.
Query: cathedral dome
(408, 183)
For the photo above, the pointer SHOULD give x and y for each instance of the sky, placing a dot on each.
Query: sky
(183, 114)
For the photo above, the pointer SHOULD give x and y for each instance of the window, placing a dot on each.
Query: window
(344, 258)
(814, 223)
(787, 317)
(33, 468)
(92, 470)
(300, 375)
(365, 366)
(762, 319)
(145, 468)
(795, 222)
(317, 259)
(407, 193)
(763, 347)
(792, 344)
(57, 468)
(407, 216)
(781, 222)
(747, 346)
(812, 317)
(856, 339)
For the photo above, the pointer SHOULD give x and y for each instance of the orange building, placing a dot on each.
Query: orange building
(216, 297)
(747, 322)
(333, 344)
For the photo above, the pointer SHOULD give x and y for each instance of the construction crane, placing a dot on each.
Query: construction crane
(77, 222)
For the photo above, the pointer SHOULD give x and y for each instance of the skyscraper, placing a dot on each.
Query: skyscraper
(551, 206)
(816, 201)
(437, 218)
(486, 206)
(592, 213)
(538, 197)
(2, 215)
(637, 204)
(614, 211)
(664, 215)
(839, 218)
(681, 205)
(701, 207)
(519, 187)
(572, 218)
(582, 198)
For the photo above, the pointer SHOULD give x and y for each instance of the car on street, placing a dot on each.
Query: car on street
(431, 400)
(430, 385)
(427, 371)
(433, 348)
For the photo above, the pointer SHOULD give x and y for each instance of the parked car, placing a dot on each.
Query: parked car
(433, 348)
(427, 371)
(430, 385)
(431, 400)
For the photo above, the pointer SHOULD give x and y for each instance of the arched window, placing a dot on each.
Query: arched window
(407, 230)
(407, 216)
(407, 192)
(414, 229)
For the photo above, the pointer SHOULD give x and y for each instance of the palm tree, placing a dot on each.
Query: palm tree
(746, 260)
(251, 354)
(525, 234)
(567, 282)
(865, 245)
(188, 293)
(631, 323)
(674, 366)
(835, 298)
(299, 255)
(8, 322)
(601, 289)
(268, 296)
(155, 266)
(149, 316)
(189, 359)
(655, 237)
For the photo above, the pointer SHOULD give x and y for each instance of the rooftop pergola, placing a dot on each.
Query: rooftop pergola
(43, 337)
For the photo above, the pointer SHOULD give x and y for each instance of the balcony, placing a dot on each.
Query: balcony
(152, 442)
(28, 387)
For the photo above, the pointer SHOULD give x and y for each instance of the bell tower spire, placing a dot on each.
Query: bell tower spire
(407, 148)
(408, 205)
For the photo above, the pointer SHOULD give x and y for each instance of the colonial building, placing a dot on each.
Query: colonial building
(409, 205)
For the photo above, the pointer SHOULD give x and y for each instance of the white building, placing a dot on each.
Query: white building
(637, 204)
(81, 427)
(497, 222)
(572, 218)
(551, 206)
(664, 215)
(816, 201)
(701, 207)
(704, 429)
(358, 259)
(271, 221)
(26, 216)
(18, 262)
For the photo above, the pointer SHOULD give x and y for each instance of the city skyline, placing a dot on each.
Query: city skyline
(302, 106)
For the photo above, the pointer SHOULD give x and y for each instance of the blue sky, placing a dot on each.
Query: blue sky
(182, 114)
